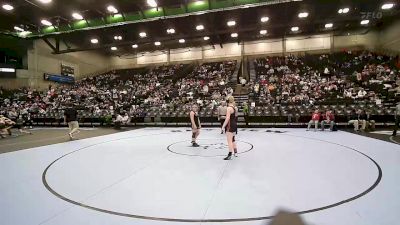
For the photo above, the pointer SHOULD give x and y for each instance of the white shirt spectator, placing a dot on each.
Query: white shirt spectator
(122, 119)
(361, 93)
(205, 89)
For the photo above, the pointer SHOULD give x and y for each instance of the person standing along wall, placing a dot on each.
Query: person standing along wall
(397, 119)
(71, 118)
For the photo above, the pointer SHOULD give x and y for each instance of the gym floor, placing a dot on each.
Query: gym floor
(153, 176)
(46, 136)
(43, 136)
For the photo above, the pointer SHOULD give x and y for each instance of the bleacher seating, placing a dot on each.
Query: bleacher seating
(285, 89)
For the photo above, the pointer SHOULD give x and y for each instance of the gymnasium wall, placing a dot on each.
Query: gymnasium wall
(263, 47)
(123, 63)
(152, 58)
(360, 41)
(85, 63)
(40, 61)
(324, 43)
(185, 54)
(389, 38)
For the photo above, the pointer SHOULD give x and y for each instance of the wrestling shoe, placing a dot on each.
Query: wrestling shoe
(194, 144)
(229, 157)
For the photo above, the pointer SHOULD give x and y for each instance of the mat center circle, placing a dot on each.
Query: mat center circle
(207, 148)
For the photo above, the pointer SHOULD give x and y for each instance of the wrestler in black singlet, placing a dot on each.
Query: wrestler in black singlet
(232, 125)
(196, 119)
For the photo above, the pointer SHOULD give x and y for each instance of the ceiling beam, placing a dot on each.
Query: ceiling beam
(66, 44)
(57, 43)
(210, 10)
(248, 33)
(163, 40)
(54, 48)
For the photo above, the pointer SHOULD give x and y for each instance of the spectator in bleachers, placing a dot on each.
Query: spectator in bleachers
(5, 126)
(362, 118)
(20, 123)
(353, 119)
(350, 74)
(315, 117)
(370, 122)
(397, 119)
(245, 109)
(290, 80)
(121, 120)
(329, 119)
(361, 93)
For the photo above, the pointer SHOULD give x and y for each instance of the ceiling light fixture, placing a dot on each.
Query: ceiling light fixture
(295, 29)
(18, 29)
(45, 1)
(171, 31)
(329, 25)
(303, 14)
(234, 35)
(264, 19)
(200, 27)
(114, 48)
(364, 22)
(181, 41)
(25, 33)
(8, 7)
(387, 6)
(142, 34)
(343, 10)
(94, 41)
(46, 22)
(231, 23)
(206, 38)
(157, 43)
(135, 46)
(77, 16)
(263, 32)
(152, 3)
(112, 9)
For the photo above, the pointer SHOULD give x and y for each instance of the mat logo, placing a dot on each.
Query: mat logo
(215, 146)
(371, 15)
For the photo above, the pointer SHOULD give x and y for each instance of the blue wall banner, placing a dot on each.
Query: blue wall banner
(59, 78)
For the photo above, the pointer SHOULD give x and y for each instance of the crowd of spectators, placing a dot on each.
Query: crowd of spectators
(311, 79)
(207, 84)
(291, 80)
(118, 94)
